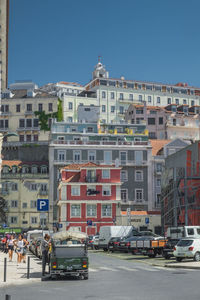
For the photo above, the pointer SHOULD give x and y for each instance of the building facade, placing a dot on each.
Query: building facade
(89, 197)
(17, 115)
(4, 26)
(22, 184)
(125, 145)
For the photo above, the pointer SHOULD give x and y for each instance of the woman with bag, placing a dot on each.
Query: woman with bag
(10, 247)
(19, 243)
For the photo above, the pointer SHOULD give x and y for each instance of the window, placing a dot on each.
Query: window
(160, 121)
(29, 107)
(33, 187)
(107, 157)
(139, 111)
(138, 175)
(70, 105)
(75, 190)
(192, 103)
(159, 167)
(34, 170)
(124, 175)
(43, 187)
(103, 108)
(121, 96)
(151, 121)
(91, 155)
(158, 182)
(14, 203)
(131, 97)
(112, 109)
(21, 123)
(75, 210)
(50, 106)
(35, 137)
(169, 100)
(24, 205)
(13, 220)
(25, 170)
(90, 129)
(77, 155)
(61, 155)
(106, 210)
(152, 135)
(190, 231)
(106, 174)
(112, 95)
(44, 170)
(121, 110)
(28, 138)
(28, 123)
(177, 101)
(174, 122)
(149, 99)
(158, 199)
(106, 190)
(35, 123)
(33, 220)
(140, 97)
(91, 189)
(103, 94)
(69, 119)
(138, 157)
(33, 203)
(91, 210)
(17, 107)
(124, 195)
(158, 99)
(14, 187)
(123, 157)
(40, 107)
(21, 138)
(139, 195)
(184, 101)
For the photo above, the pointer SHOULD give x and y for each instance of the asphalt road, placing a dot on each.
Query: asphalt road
(113, 278)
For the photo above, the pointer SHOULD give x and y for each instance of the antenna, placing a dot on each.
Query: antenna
(99, 58)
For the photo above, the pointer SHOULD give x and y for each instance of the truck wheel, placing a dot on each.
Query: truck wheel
(167, 256)
(86, 276)
(105, 249)
(197, 256)
(152, 255)
(179, 259)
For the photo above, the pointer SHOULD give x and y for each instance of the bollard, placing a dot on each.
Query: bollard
(28, 268)
(5, 266)
(8, 297)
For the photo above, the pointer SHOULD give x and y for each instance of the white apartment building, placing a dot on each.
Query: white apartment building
(115, 95)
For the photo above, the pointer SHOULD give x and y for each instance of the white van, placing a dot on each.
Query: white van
(108, 232)
(183, 232)
(36, 234)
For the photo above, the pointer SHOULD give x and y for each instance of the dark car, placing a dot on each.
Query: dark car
(124, 245)
(114, 244)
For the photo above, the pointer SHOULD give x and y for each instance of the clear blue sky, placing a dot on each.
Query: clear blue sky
(60, 40)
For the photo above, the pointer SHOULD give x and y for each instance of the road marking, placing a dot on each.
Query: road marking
(147, 269)
(107, 269)
(93, 270)
(127, 269)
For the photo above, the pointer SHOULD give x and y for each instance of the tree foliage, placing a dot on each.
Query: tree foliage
(3, 209)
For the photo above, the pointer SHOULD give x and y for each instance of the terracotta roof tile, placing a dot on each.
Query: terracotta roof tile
(157, 145)
(86, 165)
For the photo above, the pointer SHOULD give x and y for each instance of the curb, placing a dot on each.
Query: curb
(182, 267)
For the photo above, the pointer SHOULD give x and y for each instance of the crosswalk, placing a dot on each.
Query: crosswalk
(122, 268)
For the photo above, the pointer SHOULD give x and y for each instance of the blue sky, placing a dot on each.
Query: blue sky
(60, 40)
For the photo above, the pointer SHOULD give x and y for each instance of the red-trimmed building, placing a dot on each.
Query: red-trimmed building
(89, 196)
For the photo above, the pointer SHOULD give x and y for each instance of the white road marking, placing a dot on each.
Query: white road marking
(93, 270)
(107, 269)
(147, 269)
(127, 269)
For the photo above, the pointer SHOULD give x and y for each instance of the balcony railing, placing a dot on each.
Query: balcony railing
(91, 179)
(27, 128)
(102, 162)
(41, 192)
(104, 143)
(23, 175)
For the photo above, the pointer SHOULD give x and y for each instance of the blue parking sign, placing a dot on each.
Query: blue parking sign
(42, 204)
(146, 220)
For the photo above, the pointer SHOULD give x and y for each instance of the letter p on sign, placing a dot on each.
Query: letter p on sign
(42, 204)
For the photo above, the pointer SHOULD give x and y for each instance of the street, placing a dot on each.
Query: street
(111, 277)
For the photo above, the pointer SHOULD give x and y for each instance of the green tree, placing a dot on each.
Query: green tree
(60, 111)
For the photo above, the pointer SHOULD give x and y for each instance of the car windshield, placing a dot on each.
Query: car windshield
(185, 243)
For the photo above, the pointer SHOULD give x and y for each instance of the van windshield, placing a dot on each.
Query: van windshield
(185, 243)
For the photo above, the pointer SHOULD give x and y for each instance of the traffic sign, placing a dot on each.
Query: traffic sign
(89, 222)
(42, 204)
(146, 220)
(5, 226)
(60, 225)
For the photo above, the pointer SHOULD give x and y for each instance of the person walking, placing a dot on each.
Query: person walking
(10, 247)
(24, 250)
(45, 250)
(19, 243)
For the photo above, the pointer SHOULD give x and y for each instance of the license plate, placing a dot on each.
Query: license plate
(111, 247)
(182, 254)
(122, 244)
(69, 268)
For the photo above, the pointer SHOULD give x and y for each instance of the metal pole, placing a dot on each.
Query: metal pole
(5, 266)
(28, 268)
(175, 198)
(8, 297)
(185, 197)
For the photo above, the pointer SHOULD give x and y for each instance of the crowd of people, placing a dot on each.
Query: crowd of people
(15, 244)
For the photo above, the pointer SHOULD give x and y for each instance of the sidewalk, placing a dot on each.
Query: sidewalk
(187, 264)
(18, 274)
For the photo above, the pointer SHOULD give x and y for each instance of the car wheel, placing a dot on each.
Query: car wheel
(197, 256)
(105, 249)
(167, 256)
(179, 259)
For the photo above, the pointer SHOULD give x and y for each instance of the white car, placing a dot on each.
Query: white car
(187, 248)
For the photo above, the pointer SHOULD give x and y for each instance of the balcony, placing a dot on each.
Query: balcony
(24, 175)
(27, 112)
(102, 162)
(4, 192)
(43, 192)
(91, 179)
(28, 129)
(103, 143)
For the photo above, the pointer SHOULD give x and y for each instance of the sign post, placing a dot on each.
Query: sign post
(42, 206)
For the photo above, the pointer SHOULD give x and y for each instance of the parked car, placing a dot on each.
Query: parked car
(151, 235)
(90, 241)
(124, 245)
(187, 248)
(169, 248)
(38, 248)
(96, 242)
(114, 244)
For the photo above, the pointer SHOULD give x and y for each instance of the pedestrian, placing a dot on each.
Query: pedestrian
(19, 243)
(24, 250)
(10, 247)
(45, 251)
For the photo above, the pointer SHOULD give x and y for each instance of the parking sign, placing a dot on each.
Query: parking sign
(42, 204)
